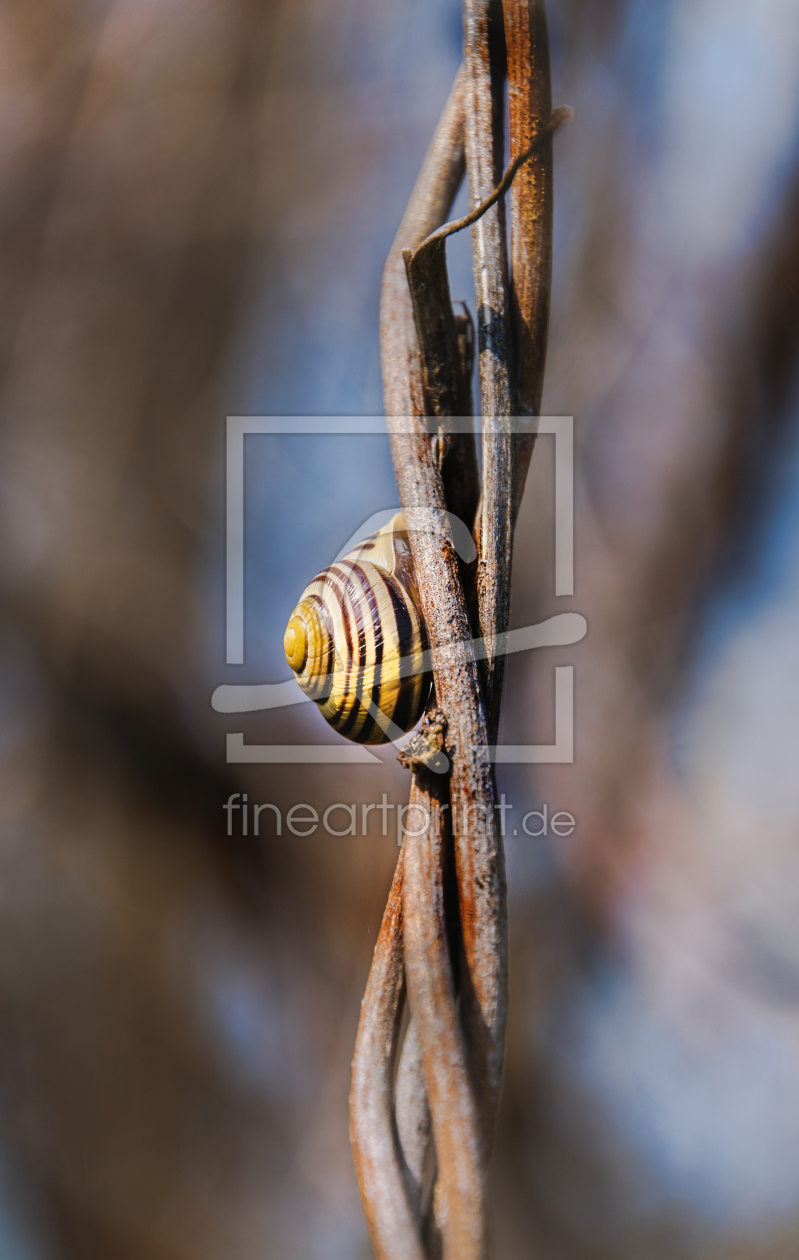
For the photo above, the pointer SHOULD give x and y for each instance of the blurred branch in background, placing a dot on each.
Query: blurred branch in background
(195, 204)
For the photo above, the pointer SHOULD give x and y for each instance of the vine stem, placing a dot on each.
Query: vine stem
(531, 213)
(447, 955)
(390, 1150)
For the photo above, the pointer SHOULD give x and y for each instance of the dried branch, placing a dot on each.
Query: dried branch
(561, 115)
(529, 104)
(460, 1158)
(390, 1172)
(447, 385)
(484, 158)
(403, 383)
(405, 394)
(480, 874)
(431, 989)
(392, 1214)
(482, 887)
(484, 149)
(413, 1117)
(455, 957)
(429, 205)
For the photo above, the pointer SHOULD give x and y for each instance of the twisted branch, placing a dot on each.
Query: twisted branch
(447, 951)
(383, 1166)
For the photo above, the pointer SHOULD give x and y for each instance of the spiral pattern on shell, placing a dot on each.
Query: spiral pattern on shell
(357, 642)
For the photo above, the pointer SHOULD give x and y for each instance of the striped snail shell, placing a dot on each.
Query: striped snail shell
(356, 640)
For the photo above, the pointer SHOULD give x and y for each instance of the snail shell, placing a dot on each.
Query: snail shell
(356, 640)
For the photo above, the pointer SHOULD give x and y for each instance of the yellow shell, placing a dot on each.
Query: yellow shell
(357, 643)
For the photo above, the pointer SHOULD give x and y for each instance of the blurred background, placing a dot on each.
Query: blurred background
(196, 200)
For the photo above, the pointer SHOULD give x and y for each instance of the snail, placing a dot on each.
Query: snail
(357, 641)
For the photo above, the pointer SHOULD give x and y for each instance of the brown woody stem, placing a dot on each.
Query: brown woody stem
(454, 959)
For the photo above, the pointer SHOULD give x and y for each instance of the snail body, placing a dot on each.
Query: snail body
(357, 642)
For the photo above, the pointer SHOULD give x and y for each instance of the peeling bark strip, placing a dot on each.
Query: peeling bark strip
(448, 953)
